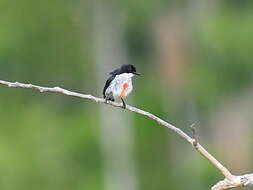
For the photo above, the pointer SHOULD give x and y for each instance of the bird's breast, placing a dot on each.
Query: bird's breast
(120, 87)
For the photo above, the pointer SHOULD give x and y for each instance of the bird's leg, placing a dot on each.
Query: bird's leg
(124, 104)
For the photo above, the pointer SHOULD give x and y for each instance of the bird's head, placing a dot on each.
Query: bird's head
(128, 68)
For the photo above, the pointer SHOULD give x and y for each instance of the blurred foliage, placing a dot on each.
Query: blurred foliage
(51, 141)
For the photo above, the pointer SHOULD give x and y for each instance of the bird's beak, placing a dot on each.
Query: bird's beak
(135, 73)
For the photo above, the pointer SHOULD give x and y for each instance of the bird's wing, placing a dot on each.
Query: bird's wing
(115, 72)
(107, 83)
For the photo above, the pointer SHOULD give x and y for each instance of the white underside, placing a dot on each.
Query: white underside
(116, 87)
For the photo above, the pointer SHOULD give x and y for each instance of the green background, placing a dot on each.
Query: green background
(195, 58)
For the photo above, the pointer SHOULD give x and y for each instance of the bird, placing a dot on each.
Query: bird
(119, 84)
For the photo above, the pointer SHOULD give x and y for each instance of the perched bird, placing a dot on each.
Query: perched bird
(119, 84)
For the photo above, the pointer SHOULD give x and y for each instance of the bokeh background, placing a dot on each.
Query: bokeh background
(196, 63)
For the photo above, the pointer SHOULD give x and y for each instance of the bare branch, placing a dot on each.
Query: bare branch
(98, 100)
(230, 180)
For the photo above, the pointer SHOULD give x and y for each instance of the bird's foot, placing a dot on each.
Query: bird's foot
(108, 100)
(124, 104)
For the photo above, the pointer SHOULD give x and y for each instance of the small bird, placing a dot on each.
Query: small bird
(119, 84)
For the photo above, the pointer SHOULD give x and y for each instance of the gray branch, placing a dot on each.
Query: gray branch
(230, 180)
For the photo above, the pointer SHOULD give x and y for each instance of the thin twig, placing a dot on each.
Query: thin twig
(194, 136)
(230, 180)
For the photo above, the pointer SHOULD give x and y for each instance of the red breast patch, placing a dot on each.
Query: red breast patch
(125, 86)
(124, 90)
